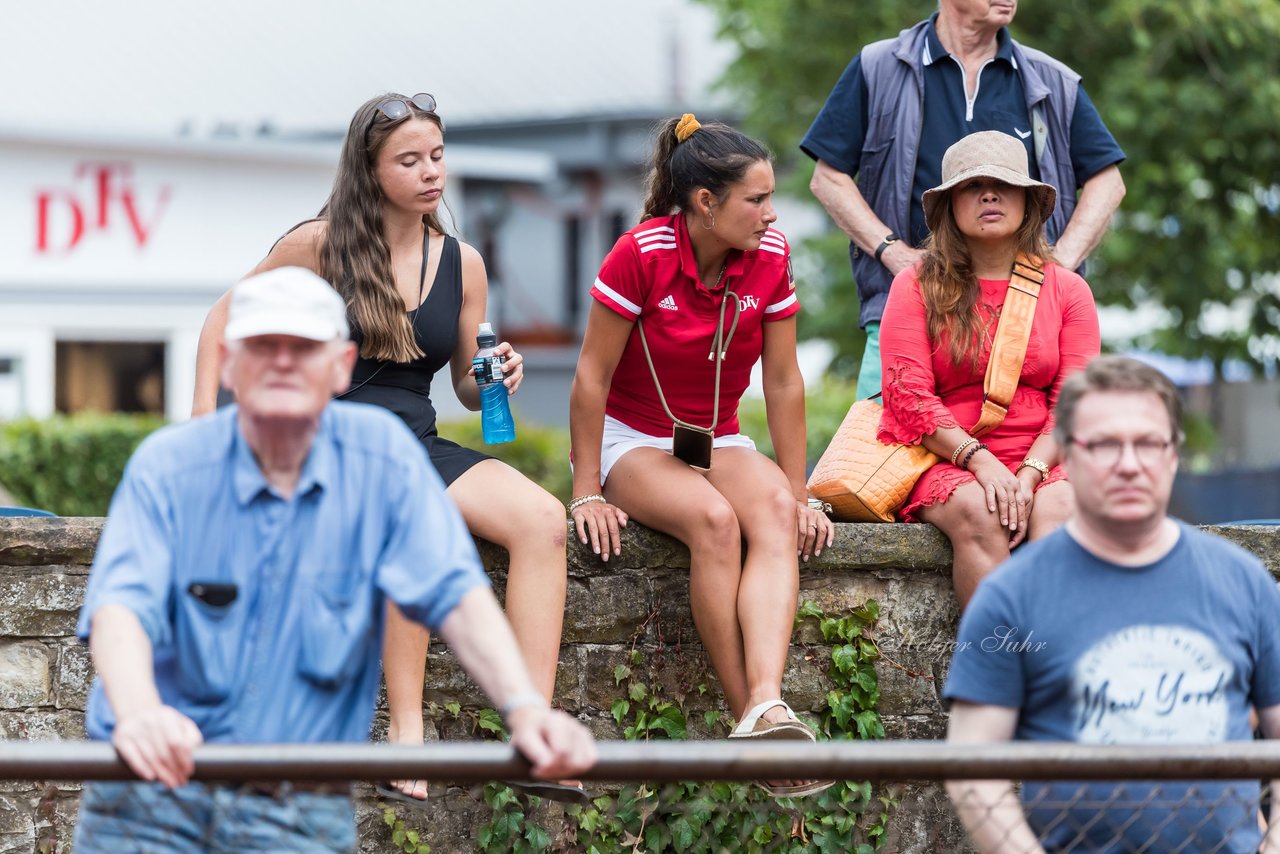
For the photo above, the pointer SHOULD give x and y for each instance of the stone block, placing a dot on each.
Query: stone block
(18, 843)
(907, 689)
(45, 541)
(570, 690)
(1261, 540)
(40, 601)
(56, 819)
(836, 594)
(41, 725)
(605, 609)
(24, 674)
(672, 622)
(923, 821)
(447, 682)
(915, 727)
(17, 822)
(673, 672)
(805, 682)
(74, 676)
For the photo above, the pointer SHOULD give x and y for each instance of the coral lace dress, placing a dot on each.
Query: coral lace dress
(924, 390)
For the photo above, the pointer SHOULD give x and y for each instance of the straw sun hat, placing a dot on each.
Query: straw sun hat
(987, 154)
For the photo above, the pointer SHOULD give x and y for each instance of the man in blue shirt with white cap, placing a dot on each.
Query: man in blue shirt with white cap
(238, 591)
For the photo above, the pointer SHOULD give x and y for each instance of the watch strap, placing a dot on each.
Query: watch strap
(891, 237)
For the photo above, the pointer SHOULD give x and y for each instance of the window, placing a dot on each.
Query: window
(101, 376)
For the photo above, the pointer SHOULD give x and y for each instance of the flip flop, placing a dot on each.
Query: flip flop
(753, 725)
(392, 793)
(801, 791)
(551, 791)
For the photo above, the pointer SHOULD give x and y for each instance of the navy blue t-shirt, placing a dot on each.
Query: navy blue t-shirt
(1094, 653)
(999, 103)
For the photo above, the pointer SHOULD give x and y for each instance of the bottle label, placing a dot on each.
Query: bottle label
(488, 369)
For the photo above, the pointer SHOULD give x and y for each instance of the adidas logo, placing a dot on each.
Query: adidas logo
(669, 303)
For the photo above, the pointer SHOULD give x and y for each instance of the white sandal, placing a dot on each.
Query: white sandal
(753, 725)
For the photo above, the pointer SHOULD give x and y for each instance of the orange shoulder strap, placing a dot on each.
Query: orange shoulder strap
(1009, 350)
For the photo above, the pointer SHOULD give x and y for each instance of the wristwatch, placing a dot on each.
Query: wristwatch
(891, 237)
(1039, 465)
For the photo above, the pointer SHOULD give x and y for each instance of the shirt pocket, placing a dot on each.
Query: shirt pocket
(208, 644)
(337, 631)
(875, 150)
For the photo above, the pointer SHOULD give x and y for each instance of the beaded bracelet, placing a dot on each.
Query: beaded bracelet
(955, 455)
(964, 464)
(585, 499)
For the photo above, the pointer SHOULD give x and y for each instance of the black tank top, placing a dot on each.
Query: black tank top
(405, 387)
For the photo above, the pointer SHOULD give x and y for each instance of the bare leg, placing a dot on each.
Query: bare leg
(404, 661)
(1052, 507)
(532, 526)
(978, 543)
(666, 495)
(766, 512)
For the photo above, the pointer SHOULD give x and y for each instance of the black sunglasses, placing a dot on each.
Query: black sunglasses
(397, 108)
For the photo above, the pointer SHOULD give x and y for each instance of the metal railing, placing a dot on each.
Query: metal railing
(1193, 798)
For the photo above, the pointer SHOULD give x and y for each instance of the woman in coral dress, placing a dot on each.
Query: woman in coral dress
(989, 494)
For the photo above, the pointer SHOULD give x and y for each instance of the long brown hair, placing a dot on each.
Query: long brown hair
(355, 256)
(714, 157)
(950, 289)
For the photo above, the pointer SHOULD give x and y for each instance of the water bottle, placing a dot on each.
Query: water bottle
(495, 410)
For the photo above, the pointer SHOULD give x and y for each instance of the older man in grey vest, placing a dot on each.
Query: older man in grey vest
(903, 101)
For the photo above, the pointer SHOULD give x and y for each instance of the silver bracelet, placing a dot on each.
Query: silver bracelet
(520, 700)
(819, 505)
(585, 499)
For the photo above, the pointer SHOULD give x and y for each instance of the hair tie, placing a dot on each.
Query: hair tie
(686, 127)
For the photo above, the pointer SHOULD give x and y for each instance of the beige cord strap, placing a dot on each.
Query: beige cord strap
(719, 344)
(1009, 350)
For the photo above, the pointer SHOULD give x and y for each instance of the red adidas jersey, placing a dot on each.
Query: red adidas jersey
(651, 275)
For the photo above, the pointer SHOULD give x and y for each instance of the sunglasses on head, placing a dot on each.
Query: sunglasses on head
(398, 108)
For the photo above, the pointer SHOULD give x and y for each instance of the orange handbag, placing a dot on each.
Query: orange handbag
(865, 480)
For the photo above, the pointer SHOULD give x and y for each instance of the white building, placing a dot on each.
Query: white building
(113, 249)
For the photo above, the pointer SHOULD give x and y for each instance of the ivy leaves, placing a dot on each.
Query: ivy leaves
(718, 816)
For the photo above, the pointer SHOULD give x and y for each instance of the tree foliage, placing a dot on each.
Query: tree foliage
(1191, 90)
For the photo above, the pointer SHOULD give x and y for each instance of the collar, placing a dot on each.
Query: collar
(934, 51)
(734, 264)
(247, 479)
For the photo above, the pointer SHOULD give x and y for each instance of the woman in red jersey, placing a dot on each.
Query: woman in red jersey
(685, 305)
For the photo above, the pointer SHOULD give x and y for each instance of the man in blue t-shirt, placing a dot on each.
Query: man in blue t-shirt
(902, 102)
(1123, 627)
(239, 589)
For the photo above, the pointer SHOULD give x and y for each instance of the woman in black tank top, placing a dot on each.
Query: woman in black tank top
(415, 300)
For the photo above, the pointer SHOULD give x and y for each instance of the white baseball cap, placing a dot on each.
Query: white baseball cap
(286, 301)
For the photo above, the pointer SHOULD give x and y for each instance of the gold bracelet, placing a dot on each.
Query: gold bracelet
(955, 455)
(1039, 465)
(585, 499)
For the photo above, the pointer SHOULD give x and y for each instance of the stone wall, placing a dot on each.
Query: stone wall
(640, 598)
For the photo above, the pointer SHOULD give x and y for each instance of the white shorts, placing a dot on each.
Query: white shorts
(619, 438)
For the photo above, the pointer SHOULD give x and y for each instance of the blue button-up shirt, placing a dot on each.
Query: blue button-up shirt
(295, 656)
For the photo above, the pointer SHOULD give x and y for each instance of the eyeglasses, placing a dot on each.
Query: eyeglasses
(1107, 452)
(395, 109)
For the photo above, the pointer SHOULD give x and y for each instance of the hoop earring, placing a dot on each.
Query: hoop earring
(712, 224)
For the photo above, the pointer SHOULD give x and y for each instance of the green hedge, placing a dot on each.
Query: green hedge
(540, 453)
(69, 464)
(826, 404)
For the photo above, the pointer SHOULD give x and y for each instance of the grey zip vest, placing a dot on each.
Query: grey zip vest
(894, 72)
